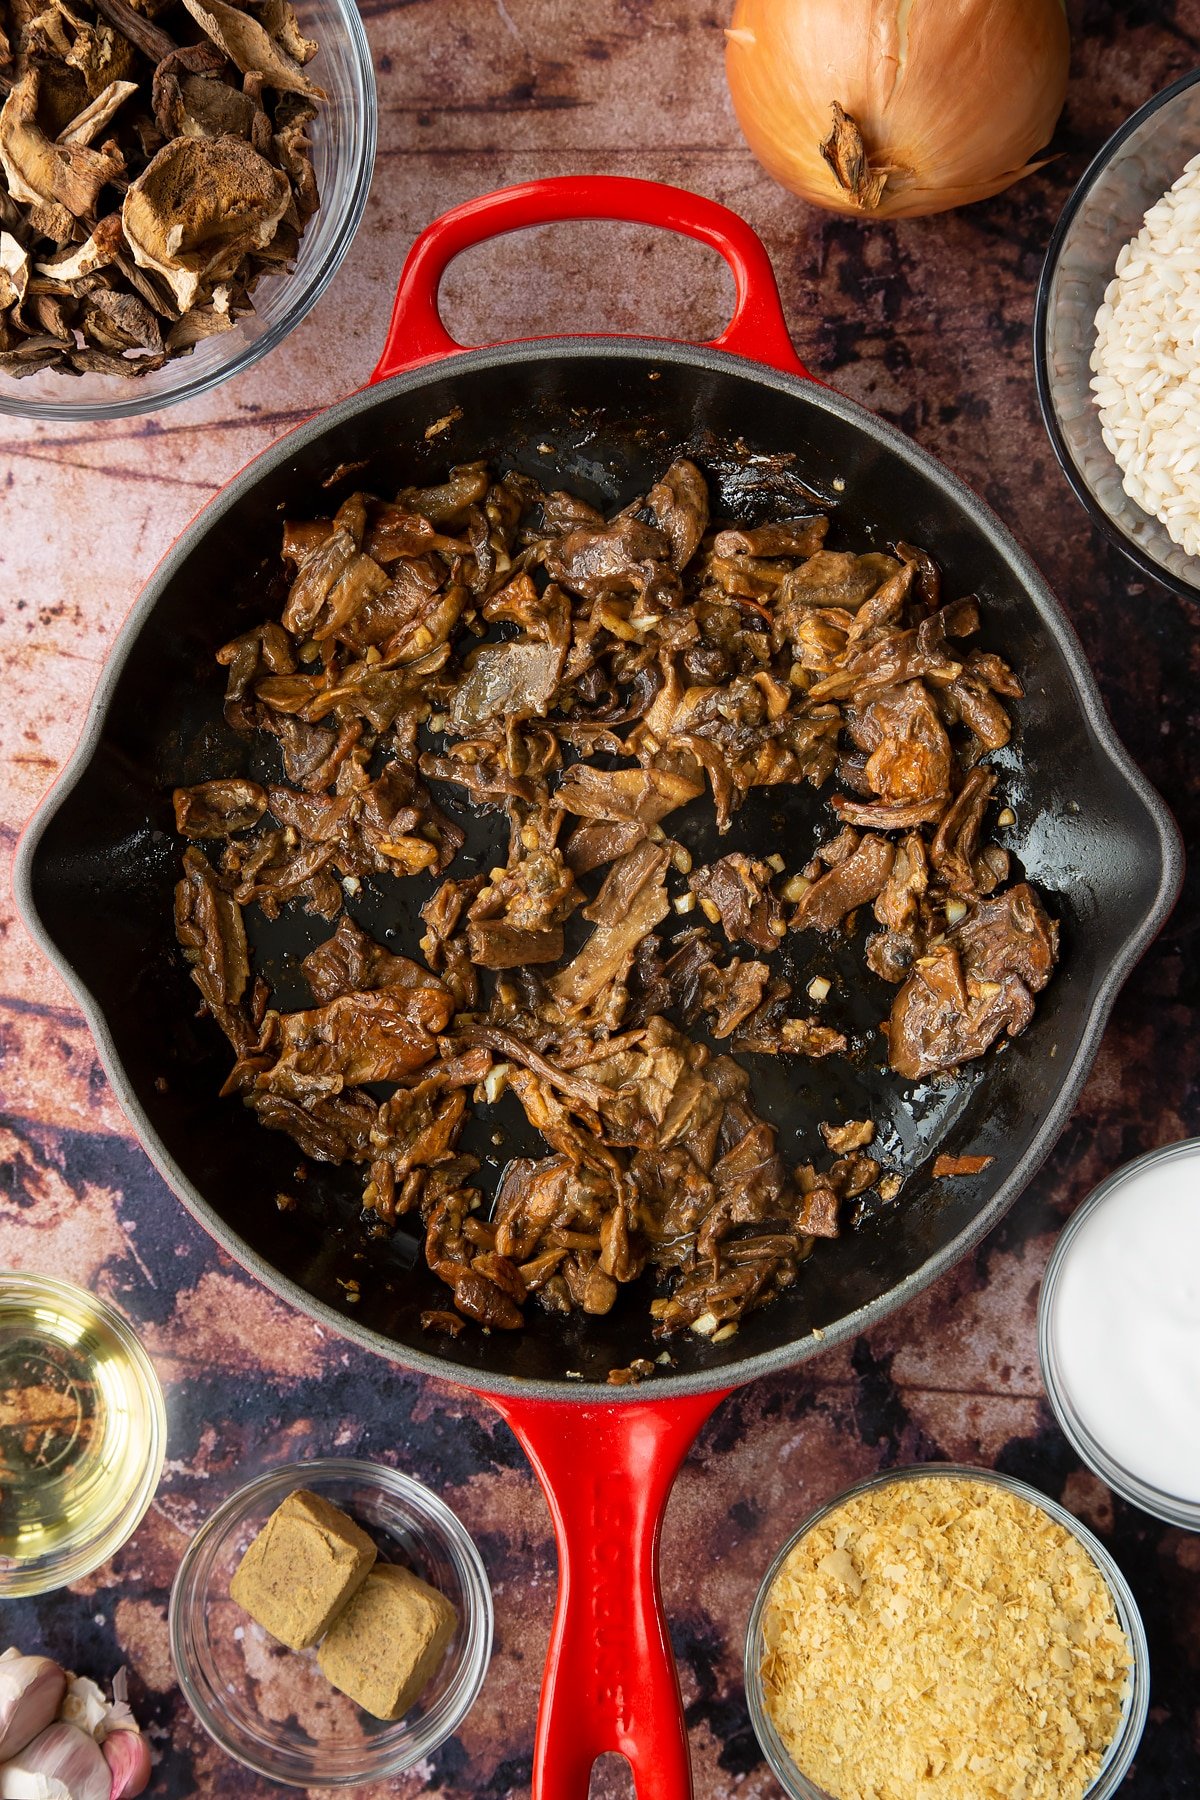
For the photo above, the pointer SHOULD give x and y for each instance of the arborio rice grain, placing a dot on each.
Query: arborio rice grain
(940, 1639)
(1146, 362)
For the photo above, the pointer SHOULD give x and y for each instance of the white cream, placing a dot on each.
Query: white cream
(1125, 1324)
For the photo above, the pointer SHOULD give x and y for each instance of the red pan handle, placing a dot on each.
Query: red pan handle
(610, 1679)
(757, 329)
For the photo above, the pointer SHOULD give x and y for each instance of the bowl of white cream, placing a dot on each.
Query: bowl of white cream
(1119, 1332)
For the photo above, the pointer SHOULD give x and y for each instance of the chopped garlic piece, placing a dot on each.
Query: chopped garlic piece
(495, 1082)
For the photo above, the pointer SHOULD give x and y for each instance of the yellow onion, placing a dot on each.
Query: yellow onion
(889, 108)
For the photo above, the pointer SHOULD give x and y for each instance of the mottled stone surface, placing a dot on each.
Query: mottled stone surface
(927, 321)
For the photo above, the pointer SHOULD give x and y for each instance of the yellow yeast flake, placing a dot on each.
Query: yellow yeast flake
(942, 1639)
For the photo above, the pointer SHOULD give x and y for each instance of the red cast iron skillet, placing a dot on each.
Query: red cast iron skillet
(97, 866)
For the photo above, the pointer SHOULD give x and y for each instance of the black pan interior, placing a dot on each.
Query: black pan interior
(99, 881)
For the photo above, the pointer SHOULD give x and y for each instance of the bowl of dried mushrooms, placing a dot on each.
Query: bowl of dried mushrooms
(179, 181)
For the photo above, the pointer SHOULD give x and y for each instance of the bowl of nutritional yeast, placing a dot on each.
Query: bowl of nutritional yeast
(950, 1630)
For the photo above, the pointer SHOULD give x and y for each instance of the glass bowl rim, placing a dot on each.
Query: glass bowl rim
(1171, 1508)
(78, 1558)
(1124, 1745)
(1041, 311)
(363, 145)
(478, 1620)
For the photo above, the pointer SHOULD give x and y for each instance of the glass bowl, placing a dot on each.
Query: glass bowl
(75, 1488)
(1176, 1509)
(271, 1708)
(343, 139)
(1137, 165)
(1137, 1699)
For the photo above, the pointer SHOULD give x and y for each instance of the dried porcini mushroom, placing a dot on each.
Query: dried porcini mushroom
(202, 322)
(120, 323)
(293, 147)
(14, 272)
(87, 125)
(191, 101)
(155, 164)
(284, 27)
(96, 252)
(254, 50)
(40, 171)
(78, 59)
(199, 208)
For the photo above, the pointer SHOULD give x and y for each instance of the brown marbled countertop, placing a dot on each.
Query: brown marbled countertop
(927, 321)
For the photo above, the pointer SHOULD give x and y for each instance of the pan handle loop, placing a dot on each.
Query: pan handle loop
(610, 1682)
(757, 329)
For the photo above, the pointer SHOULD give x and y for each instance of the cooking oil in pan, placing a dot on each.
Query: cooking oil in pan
(82, 1433)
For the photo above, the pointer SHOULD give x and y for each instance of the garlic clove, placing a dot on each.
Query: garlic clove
(84, 1705)
(62, 1763)
(22, 1784)
(128, 1756)
(31, 1691)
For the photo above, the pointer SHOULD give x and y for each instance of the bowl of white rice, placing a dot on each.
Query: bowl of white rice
(1117, 337)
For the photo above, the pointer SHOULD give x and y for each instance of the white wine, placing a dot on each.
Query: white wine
(82, 1431)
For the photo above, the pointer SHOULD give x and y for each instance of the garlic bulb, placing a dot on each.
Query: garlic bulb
(891, 108)
(31, 1691)
(62, 1763)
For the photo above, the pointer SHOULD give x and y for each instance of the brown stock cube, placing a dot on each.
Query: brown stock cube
(385, 1648)
(308, 1560)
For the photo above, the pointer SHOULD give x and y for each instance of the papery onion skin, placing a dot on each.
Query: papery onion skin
(952, 97)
